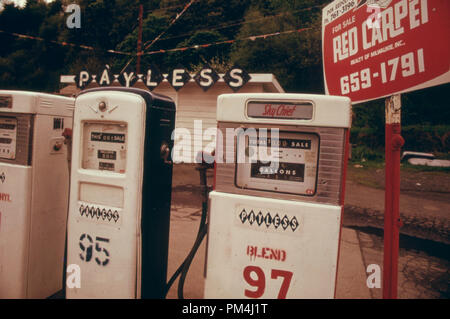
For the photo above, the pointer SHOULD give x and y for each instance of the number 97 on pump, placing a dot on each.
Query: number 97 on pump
(276, 208)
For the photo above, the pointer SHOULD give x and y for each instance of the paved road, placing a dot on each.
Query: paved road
(424, 272)
(421, 217)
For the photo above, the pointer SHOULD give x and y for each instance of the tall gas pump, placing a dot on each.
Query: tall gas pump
(34, 191)
(120, 194)
(276, 209)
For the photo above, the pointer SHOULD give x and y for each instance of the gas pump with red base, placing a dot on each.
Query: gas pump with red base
(276, 209)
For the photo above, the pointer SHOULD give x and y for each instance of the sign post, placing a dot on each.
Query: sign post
(392, 223)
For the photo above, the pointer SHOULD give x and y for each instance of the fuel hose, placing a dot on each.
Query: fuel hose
(183, 269)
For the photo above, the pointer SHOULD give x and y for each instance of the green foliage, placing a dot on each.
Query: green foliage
(419, 138)
(427, 107)
(152, 26)
(368, 125)
(295, 58)
(201, 55)
(427, 138)
(424, 122)
(218, 64)
(363, 153)
(30, 64)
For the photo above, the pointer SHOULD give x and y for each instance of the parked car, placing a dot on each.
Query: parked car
(419, 158)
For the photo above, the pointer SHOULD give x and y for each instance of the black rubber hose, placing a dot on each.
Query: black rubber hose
(184, 267)
(202, 230)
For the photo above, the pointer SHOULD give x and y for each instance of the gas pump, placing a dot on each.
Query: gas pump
(34, 191)
(276, 209)
(119, 208)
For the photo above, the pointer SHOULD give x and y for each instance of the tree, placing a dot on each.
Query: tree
(27, 63)
(192, 57)
(295, 58)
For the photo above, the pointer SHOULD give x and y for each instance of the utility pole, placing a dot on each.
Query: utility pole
(139, 43)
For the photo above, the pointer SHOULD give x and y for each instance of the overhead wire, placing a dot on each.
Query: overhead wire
(165, 8)
(234, 23)
(161, 34)
(196, 46)
(205, 45)
(64, 43)
(168, 27)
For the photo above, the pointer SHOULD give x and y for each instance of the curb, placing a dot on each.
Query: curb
(435, 229)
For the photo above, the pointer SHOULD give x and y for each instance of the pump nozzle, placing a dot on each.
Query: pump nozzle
(165, 153)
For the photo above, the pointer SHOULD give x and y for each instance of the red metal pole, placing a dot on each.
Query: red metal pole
(387, 262)
(392, 224)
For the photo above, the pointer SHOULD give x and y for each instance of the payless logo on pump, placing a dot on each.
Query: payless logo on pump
(268, 220)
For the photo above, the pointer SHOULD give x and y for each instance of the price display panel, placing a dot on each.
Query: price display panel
(286, 164)
(8, 137)
(104, 146)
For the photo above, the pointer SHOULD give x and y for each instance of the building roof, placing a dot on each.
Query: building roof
(268, 81)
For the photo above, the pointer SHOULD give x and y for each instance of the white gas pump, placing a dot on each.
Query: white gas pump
(34, 191)
(275, 212)
(120, 193)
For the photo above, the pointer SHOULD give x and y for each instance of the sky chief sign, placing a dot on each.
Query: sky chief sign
(376, 48)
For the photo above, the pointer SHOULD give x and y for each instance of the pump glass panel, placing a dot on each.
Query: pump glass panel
(6, 101)
(285, 164)
(8, 137)
(104, 146)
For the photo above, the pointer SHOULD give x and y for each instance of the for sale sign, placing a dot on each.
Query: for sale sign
(376, 48)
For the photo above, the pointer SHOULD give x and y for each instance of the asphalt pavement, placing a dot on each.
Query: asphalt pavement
(421, 217)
